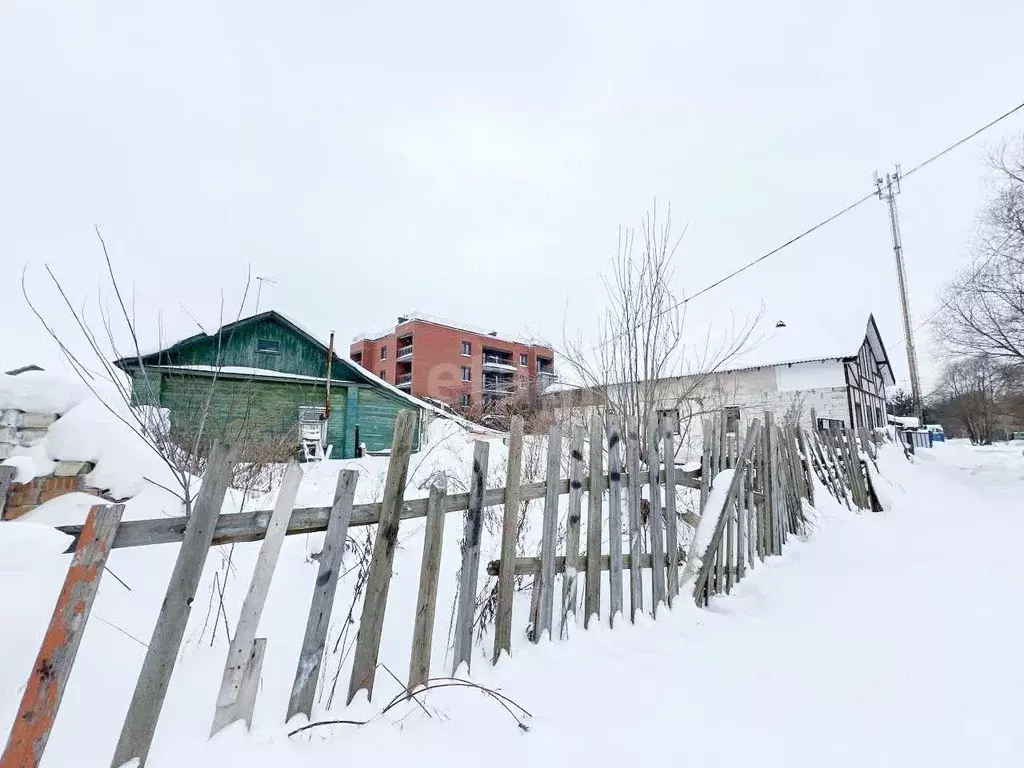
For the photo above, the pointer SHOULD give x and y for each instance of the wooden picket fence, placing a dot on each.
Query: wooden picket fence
(752, 491)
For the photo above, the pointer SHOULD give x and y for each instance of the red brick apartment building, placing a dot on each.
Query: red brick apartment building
(467, 368)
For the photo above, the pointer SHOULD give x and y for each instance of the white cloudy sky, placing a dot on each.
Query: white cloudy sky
(475, 160)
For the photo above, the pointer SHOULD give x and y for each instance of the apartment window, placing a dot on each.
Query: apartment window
(524, 360)
(384, 375)
(268, 347)
(465, 400)
(466, 373)
(467, 348)
(673, 418)
(384, 352)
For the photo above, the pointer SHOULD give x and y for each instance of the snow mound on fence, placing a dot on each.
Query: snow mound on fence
(41, 392)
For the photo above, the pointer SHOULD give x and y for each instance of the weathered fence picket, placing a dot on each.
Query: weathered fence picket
(671, 520)
(470, 573)
(378, 579)
(592, 602)
(509, 526)
(546, 593)
(572, 529)
(45, 687)
(230, 702)
(151, 688)
(655, 519)
(633, 482)
(430, 571)
(307, 673)
(614, 518)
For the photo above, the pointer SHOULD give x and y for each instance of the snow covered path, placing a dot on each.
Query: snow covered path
(883, 640)
(889, 639)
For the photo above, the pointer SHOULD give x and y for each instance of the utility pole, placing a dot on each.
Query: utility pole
(887, 191)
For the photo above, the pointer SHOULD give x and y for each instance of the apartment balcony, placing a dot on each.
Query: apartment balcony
(404, 352)
(403, 381)
(495, 362)
(546, 379)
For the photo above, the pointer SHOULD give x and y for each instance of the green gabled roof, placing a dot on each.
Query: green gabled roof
(358, 373)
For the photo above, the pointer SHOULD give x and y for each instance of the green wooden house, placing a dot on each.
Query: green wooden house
(265, 380)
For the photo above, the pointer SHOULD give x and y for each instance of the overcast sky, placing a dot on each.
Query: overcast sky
(476, 163)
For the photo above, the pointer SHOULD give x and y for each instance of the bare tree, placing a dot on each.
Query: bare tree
(972, 396)
(180, 439)
(983, 305)
(643, 359)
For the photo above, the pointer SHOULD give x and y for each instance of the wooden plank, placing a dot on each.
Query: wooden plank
(528, 566)
(7, 475)
(151, 687)
(251, 526)
(430, 570)
(463, 650)
(45, 688)
(614, 517)
(307, 673)
(592, 602)
(636, 587)
(228, 708)
(509, 528)
(378, 579)
(671, 520)
(545, 609)
(806, 464)
(655, 521)
(730, 537)
(572, 528)
(704, 575)
(723, 429)
(751, 519)
(706, 469)
(250, 682)
(741, 526)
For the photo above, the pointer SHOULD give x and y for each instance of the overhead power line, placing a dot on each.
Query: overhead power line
(843, 211)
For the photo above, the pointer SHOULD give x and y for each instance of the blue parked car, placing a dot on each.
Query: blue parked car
(936, 433)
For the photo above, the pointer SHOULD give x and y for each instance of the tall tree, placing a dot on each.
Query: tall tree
(983, 305)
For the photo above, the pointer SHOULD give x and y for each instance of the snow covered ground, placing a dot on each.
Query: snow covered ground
(887, 639)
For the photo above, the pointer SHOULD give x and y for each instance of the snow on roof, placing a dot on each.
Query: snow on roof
(802, 337)
(436, 320)
(238, 370)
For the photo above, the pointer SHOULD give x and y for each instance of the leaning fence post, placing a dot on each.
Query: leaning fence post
(572, 528)
(510, 522)
(545, 593)
(655, 520)
(595, 495)
(50, 673)
(633, 483)
(614, 518)
(151, 688)
(378, 579)
(307, 673)
(463, 651)
(230, 702)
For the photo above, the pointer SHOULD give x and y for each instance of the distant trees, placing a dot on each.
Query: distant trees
(977, 396)
(901, 403)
